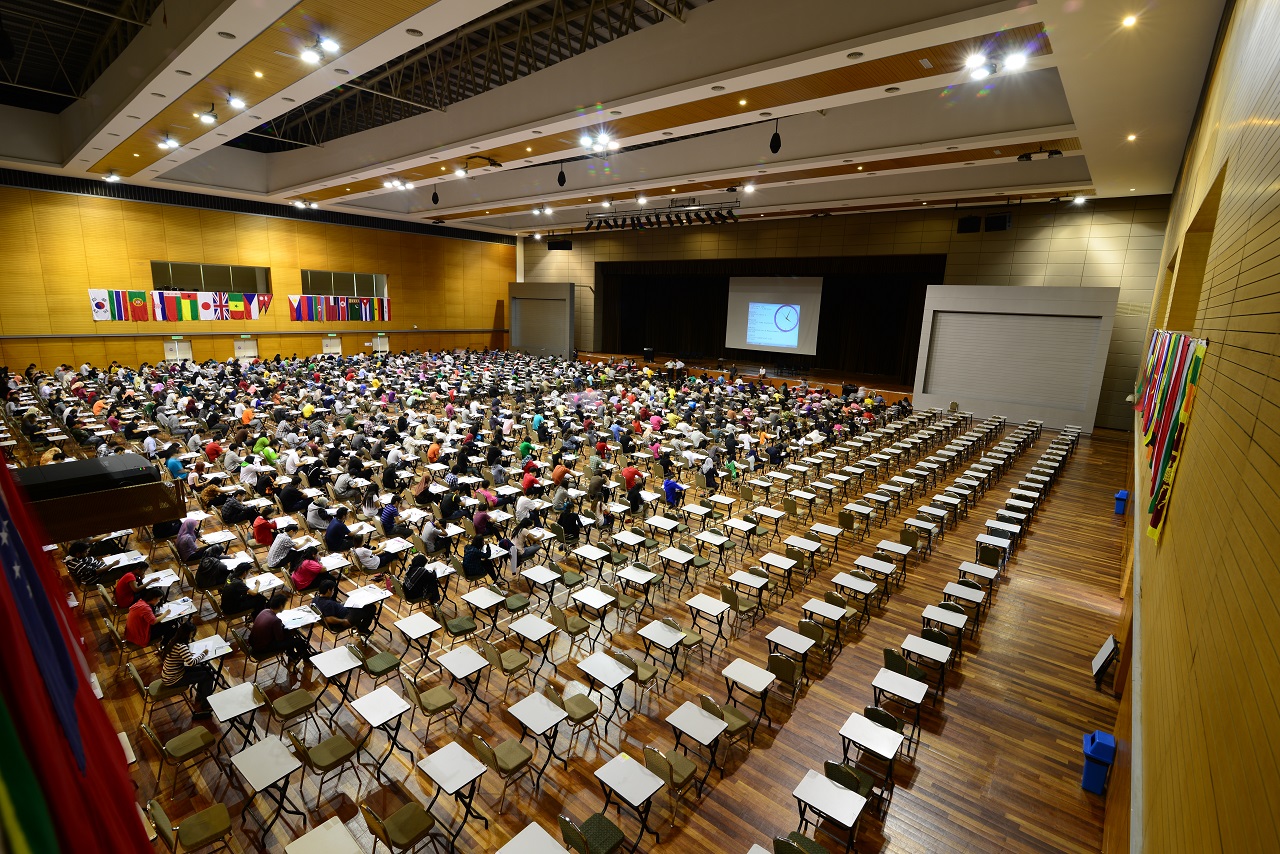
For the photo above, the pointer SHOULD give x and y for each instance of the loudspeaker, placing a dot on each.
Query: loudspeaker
(648, 354)
(969, 225)
(78, 477)
(559, 245)
(999, 222)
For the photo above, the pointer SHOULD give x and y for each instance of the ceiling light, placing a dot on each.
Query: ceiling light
(641, 200)
(1131, 137)
(597, 147)
(329, 46)
(235, 103)
(310, 55)
(111, 177)
(299, 205)
(1078, 200)
(606, 203)
(584, 141)
(742, 102)
(1015, 61)
(859, 168)
(313, 205)
(1024, 157)
(603, 139)
(537, 211)
(136, 154)
(749, 188)
(210, 117)
(1054, 152)
(775, 141)
(1130, 20)
(408, 185)
(982, 72)
(974, 60)
(537, 235)
(461, 171)
(257, 74)
(527, 148)
(168, 143)
(613, 145)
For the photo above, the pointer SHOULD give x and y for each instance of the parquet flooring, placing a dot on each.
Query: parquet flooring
(998, 768)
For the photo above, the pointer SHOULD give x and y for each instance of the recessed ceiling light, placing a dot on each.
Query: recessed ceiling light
(182, 73)
(1131, 137)
(417, 34)
(1133, 189)
(667, 133)
(717, 88)
(742, 102)
(257, 74)
(329, 45)
(309, 55)
(857, 54)
(347, 189)
(442, 169)
(527, 148)
(615, 112)
(893, 89)
(1015, 61)
(859, 168)
(1130, 20)
(135, 154)
(235, 103)
(344, 72)
(222, 34)
(289, 100)
(765, 115)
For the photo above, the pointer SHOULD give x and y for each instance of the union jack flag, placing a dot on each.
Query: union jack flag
(221, 307)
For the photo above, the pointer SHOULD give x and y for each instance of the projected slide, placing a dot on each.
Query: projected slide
(771, 324)
(776, 314)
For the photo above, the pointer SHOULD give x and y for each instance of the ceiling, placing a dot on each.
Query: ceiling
(874, 110)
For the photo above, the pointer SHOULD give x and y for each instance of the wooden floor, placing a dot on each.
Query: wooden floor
(998, 769)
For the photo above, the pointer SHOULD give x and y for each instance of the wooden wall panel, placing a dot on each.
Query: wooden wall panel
(58, 246)
(1209, 711)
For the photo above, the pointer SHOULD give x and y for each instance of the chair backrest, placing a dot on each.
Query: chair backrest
(155, 742)
(553, 694)
(625, 660)
(845, 519)
(861, 575)
(970, 583)
(758, 571)
(884, 556)
(658, 764)
(783, 845)
(557, 618)
(487, 756)
(671, 621)
(789, 506)
(935, 636)
(729, 595)
(164, 827)
(988, 555)
(137, 678)
(863, 501)
(895, 661)
(747, 495)
(410, 689)
(853, 779)
(909, 537)
(573, 836)
(783, 667)
(811, 630)
(834, 598)
(884, 718)
(795, 554)
(710, 706)
(300, 749)
(610, 590)
(954, 607)
(376, 827)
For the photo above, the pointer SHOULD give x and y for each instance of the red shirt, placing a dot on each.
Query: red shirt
(306, 573)
(213, 450)
(602, 447)
(137, 626)
(263, 531)
(526, 483)
(630, 475)
(124, 590)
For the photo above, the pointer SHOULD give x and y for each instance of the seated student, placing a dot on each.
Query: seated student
(292, 499)
(451, 506)
(212, 572)
(82, 566)
(476, 563)
(127, 588)
(388, 518)
(338, 537)
(336, 615)
(237, 597)
(522, 545)
(571, 525)
(189, 548)
(179, 667)
(372, 560)
(308, 570)
(234, 510)
(264, 530)
(774, 453)
(282, 552)
(483, 523)
(526, 507)
(268, 634)
(318, 514)
(421, 581)
(141, 622)
(674, 491)
(634, 498)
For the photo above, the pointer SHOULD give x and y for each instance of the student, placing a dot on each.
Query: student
(212, 572)
(268, 636)
(142, 617)
(317, 514)
(234, 510)
(236, 596)
(421, 581)
(522, 546)
(282, 552)
(476, 563)
(308, 570)
(388, 519)
(674, 491)
(179, 667)
(372, 560)
(264, 530)
(451, 506)
(338, 537)
(189, 548)
(570, 524)
(336, 615)
(82, 566)
(127, 588)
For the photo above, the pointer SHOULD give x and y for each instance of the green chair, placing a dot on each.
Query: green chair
(403, 830)
(239, 640)
(688, 640)
(643, 674)
(433, 702)
(797, 843)
(649, 543)
(582, 711)
(156, 693)
(298, 705)
(572, 625)
(125, 650)
(510, 760)
(459, 628)
(622, 603)
(196, 831)
(182, 751)
(741, 606)
(770, 587)
(788, 672)
(597, 835)
(512, 664)
(851, 614)
(823, 640)
(332, 754)
(738, 725)
(515, 603)
(398, 589)
(375, 662)
(676, 771)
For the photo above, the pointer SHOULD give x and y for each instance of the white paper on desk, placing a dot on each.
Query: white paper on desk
(215, 646)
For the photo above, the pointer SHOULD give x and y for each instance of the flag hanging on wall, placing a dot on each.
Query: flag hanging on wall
(138, 306)
(305, 307)
(115, 305)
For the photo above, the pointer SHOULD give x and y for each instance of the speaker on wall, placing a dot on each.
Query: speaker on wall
(559, 245)
(999, 222)
(969, 225)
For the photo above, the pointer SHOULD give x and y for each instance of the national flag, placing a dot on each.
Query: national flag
(206, 306)
(119, 305)
(366, 308)
(99, 305)
(264, 303)
(237, 306)
(165, 304)
(353, 308)
(81, 798)
(385, 304)
(335, 308)
(138, 306)
(295, 307)
(188, 306)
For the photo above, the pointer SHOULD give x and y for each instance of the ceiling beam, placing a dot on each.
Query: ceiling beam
(82, 7)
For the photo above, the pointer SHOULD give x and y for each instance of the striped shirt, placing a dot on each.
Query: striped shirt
(176, 663)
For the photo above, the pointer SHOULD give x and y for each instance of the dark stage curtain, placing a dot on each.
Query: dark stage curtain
(872, 307)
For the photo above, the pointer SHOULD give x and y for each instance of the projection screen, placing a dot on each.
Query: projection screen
(775, 314)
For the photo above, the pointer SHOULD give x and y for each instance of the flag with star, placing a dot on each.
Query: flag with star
(66, 739)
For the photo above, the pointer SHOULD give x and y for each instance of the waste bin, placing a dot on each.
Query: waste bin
(1099, 753)
(1122, 499)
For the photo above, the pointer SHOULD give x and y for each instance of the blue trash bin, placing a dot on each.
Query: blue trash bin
(1099, 753)
(1122, 499)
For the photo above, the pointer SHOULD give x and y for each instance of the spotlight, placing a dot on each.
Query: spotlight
(1015, 61)
(168, 143)
(589, 224)
(1024, 158)
(537, 211)
(329, 46)
(210, 117)
(313, 205)
(560, 179)
(111, 177)
(299, 205)
(537, 235)
(613, 145)
(1129, 20)
(310, 55)
(461, 171)
(749, 188)
(1078, 200)
(698, 216)
(775, 141)
(1054, 152)
(584, 141)
(235, 103)
(597, 147)
(1131, 137)
(603, 139)
(435, 197)
(641, 200)
(982, 72)
(408, 185)
(670, 222)
(606, 203)
(974, 60)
